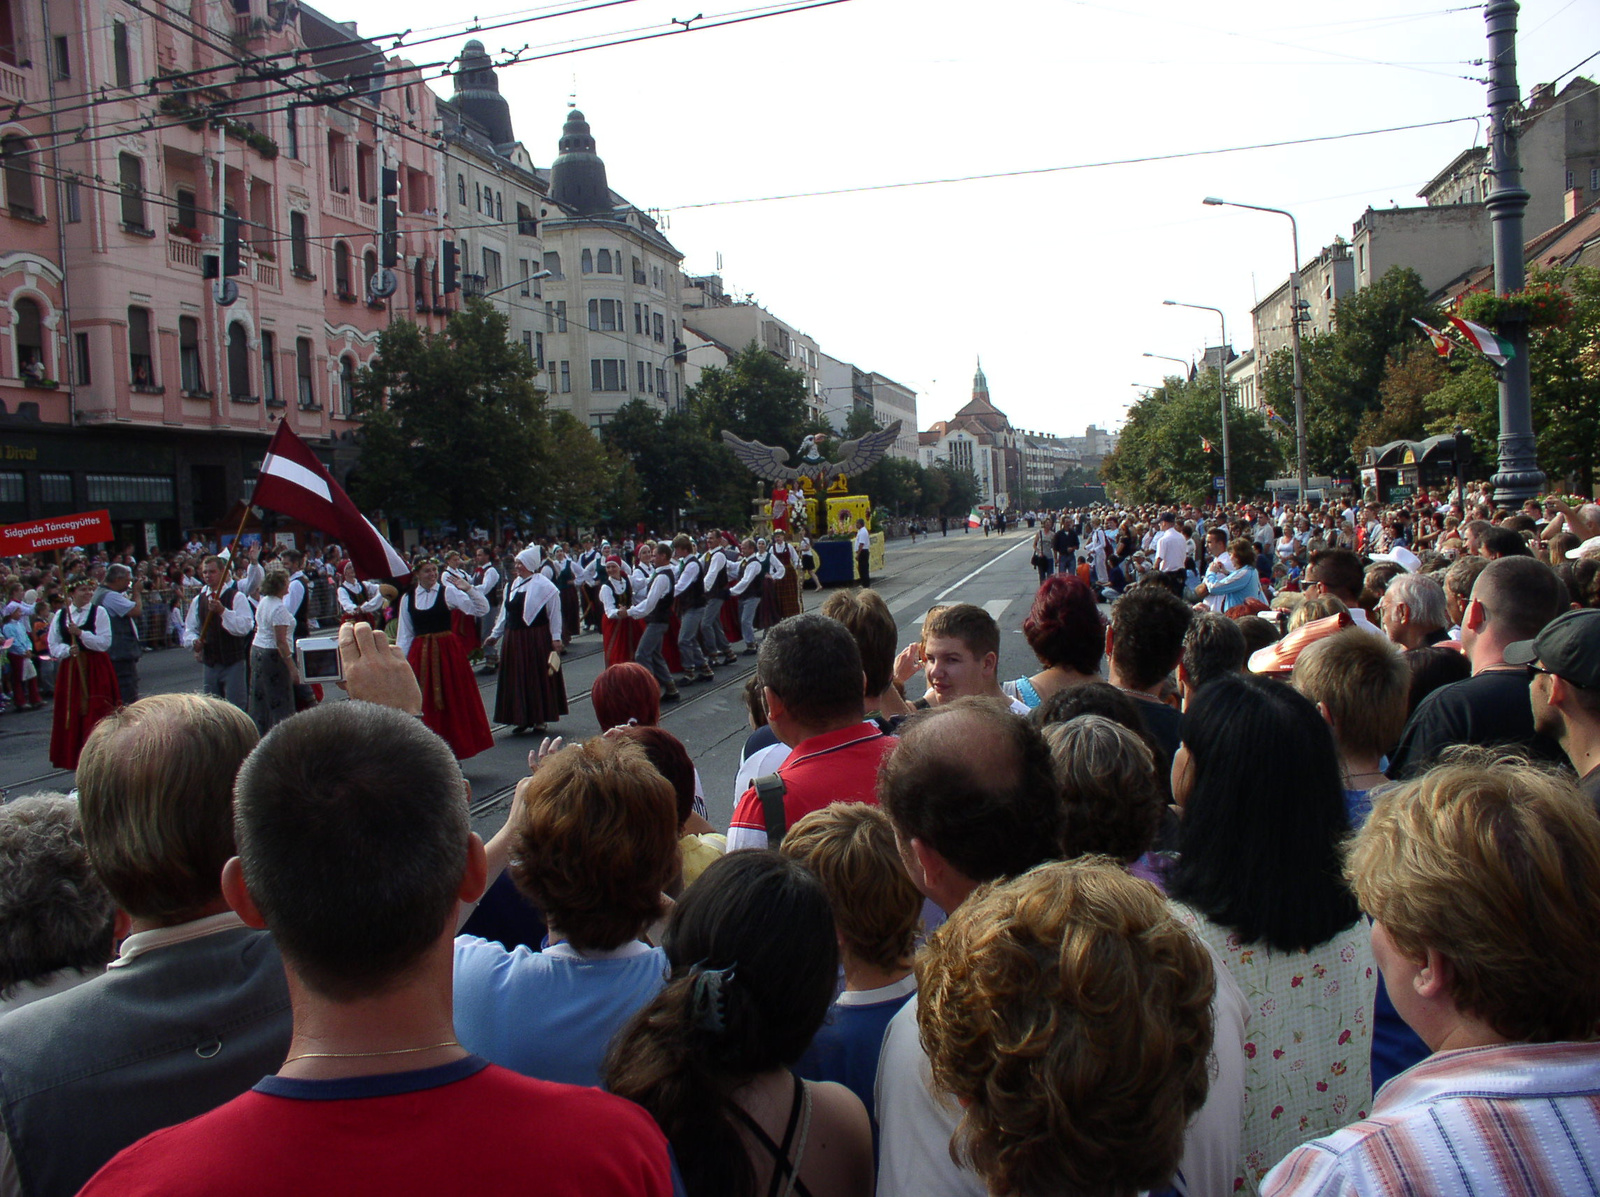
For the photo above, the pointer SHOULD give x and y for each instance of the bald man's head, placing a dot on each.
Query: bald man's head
(975, 783)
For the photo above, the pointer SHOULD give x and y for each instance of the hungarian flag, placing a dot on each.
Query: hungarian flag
(1205, 444)
(1497, 349)
(294, 483)
(974, 519)
(1441, 342)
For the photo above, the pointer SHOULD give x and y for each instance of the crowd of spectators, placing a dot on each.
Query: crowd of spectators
(1291, 895)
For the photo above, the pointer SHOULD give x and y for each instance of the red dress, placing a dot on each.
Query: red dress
(619, 633)
(86, 692)
(451, 703)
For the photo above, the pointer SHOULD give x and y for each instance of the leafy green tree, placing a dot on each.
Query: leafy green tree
(1161, 457)
(1344, 368)
(758, 398)
(583, 476)
(962, 489)
(1414, 371)
(668, 454)
(453, 423)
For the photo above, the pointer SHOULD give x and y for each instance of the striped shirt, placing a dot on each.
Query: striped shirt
(1517, 1118)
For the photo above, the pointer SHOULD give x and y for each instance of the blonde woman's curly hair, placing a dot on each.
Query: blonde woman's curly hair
(1069, 1013)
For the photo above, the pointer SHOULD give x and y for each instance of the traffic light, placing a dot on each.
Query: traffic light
(391, 238)
(230, 244)
(452, 267)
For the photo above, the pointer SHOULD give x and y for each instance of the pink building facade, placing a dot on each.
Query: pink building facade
(126, 137)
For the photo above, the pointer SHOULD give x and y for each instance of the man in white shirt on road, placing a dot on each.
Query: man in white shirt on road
(1172, 549)
(864, 554)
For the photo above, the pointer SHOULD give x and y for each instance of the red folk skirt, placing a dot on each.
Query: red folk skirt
(86, 692)
(729, 615)
(466, 628)
(527, 694)
(669, 645)
(621, 637)
(451, 704)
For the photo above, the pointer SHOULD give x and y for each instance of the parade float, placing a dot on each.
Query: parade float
(812, 496)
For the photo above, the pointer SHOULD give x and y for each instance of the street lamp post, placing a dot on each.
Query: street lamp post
(1222, 396)
(1518, 476)
(1184, 362)
(1294, 336)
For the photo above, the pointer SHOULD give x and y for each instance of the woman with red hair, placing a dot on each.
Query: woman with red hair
(1067, 635)
(626, 694)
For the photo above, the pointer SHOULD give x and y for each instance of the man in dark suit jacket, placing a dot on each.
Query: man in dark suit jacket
(195, 1009)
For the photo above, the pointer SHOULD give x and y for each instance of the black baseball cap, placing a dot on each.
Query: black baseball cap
(1569, 647)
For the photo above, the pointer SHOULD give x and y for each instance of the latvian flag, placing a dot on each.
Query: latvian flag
(1497, 349)
(294, 483)
(1441, 343)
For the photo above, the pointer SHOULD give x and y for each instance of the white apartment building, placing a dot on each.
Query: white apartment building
(612, 304)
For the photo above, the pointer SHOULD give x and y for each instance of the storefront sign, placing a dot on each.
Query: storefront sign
(55, 532)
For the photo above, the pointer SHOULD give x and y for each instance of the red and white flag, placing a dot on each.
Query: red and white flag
(294, 483)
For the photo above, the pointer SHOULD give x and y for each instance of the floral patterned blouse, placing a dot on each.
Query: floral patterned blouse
(1308, 1044)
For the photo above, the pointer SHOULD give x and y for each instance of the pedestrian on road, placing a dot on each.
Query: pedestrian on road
(863, 554)
(219, 629)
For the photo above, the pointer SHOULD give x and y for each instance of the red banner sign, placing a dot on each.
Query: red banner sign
(55, 532)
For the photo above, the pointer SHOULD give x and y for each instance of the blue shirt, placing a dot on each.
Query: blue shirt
(847, 1047)
(550, 1014)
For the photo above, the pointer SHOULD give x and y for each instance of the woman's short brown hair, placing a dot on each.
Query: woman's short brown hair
(850, 847)
(1112, 798)
(275, 582)
(1492, 863)
(1069, 1013)
(155, 790)
(867, 617)
(598, 841)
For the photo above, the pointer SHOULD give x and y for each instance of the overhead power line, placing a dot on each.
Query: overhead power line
(1046, 170)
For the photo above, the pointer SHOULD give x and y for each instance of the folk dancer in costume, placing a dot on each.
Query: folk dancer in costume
(655, 609)
(713, 634)
(486, 577)
(808, 565)
(591, 570)
(465, 626)
(219, 628)
(689, 591)
(566, 580)
(122, 595)
(619, 634)
(86, 681)
(531, 691)
(787, 583)
(642, 574)
(451, 704)
(770, 611)
(297, 603)
(359, 602)
(746, 591)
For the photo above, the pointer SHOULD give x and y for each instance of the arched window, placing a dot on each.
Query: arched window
(369, 262)
(341, 270)
(191, 377)
(605, 261)
(419, 285)
(18, 169)
(461, 188)
(30, 341)
(347, 384)
(587, 264)
(130, 176)
(238, 361)
(499, 205)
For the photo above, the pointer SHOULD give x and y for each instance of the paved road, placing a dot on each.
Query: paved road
(991, 571)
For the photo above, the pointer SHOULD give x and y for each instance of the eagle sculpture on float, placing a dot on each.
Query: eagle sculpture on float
(772, 465)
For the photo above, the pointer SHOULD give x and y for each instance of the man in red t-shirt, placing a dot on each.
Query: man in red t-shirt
(354, 851)
(814, 689)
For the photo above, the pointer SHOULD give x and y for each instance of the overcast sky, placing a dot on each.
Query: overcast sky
(1057, 278)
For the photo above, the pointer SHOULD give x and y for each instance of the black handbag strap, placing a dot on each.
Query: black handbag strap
(771, 788)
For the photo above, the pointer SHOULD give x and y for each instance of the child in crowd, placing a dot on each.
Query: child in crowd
(876, 913)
